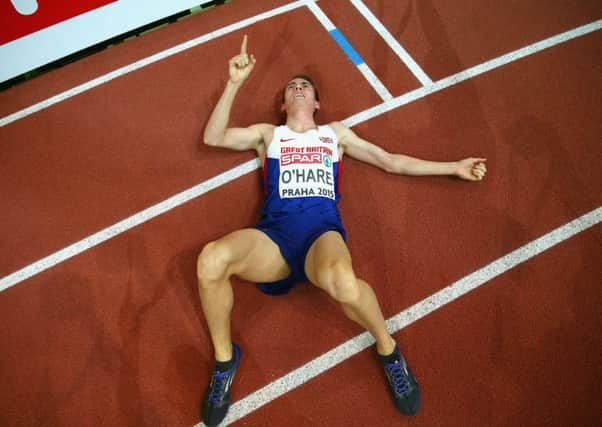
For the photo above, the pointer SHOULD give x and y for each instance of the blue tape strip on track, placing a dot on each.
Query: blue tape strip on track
(346, 46)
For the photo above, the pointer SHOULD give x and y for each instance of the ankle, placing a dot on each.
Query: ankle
(224, 354)
(386, 347)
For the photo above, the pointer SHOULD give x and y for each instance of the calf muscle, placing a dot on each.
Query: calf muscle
(248, 254)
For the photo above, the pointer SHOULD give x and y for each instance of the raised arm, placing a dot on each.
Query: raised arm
(471, 169)
(217, 133)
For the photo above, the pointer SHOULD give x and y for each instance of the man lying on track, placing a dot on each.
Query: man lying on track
(300, 236)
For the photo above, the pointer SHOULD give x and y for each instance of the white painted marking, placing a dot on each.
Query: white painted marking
(366, 71)
(405, 57)
(240, 170)
(375, 82)
(320, 15)
(471, 72)
(359, 343)
(147, 61)
(128, 223)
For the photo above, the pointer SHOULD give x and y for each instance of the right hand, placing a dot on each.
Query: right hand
(242, 64)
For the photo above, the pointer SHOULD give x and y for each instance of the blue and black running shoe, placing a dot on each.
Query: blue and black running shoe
(217, 398)
(404, 387)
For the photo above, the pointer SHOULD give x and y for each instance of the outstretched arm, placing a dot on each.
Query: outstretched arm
(217, 132)
(471, 169)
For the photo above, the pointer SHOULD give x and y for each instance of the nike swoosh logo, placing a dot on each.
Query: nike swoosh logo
(286, 139)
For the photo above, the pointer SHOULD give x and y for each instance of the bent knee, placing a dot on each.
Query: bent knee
(212, 265)
(338, 279)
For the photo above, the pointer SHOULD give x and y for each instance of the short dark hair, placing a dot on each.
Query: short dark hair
(306, 78)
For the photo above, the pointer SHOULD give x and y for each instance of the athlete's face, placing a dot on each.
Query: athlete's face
(300, 92)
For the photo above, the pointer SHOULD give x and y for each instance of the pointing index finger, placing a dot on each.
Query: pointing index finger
(243, 47)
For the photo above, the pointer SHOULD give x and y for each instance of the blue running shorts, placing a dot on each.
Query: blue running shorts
(294, 233)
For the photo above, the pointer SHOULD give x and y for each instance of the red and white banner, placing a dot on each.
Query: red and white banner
(36, 32)
(20, 18)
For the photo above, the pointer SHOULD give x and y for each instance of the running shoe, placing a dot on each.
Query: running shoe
(217, 398)
(404, 387)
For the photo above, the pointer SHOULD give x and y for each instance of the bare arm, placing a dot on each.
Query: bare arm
(472, 169)
(217, 133)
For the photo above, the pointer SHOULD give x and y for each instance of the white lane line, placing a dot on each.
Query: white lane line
(393, 43)
(242, 169)
(357, 60)
(472, 72)
(320, 15)
(348, 349)
(375, 82)
(128, 223)
(147, 61)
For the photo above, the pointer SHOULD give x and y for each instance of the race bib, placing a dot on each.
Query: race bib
(306, 171)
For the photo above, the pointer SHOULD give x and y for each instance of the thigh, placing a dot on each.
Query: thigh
(253, 256)
(328, 249)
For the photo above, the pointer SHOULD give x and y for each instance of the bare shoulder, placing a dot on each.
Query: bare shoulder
(343, 133)
(266, 131)
(339, 129)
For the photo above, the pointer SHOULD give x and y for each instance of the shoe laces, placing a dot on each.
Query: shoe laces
(218, 386)
(399, 377)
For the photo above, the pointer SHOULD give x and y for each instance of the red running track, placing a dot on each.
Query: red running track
(115, 335)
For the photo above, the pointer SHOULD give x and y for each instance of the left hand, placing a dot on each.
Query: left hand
(472, 169)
